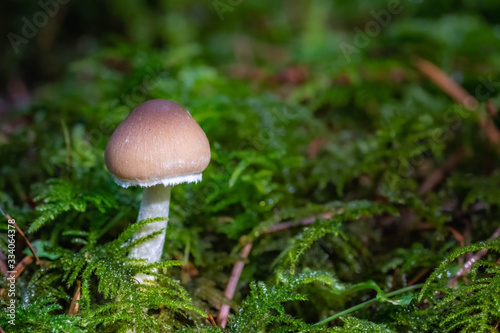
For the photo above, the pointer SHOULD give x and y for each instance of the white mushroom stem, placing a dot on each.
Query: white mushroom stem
(155, 203)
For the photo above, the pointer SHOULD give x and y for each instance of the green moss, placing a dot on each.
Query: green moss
(340, 145)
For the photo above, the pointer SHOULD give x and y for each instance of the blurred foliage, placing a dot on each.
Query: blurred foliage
(315, 114)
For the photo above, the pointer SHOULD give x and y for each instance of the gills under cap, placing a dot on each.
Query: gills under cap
(158, 143)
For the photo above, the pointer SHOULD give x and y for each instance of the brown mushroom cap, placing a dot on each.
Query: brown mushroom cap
(158, 143)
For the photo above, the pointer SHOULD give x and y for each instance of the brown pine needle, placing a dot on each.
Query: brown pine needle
(289, 224)
(238, 266)
(73, 308)
(459, 94)
(3, 266)
(443, 81)
(458, 236)
(19, 269)
(420, 275)
(491, 108)
(438, 175)
(468, 264)
(32, 249)
(211, 319)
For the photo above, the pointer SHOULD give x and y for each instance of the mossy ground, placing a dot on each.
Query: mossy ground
(321, 113)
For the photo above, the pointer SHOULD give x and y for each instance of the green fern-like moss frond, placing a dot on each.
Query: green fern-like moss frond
(105, 269)
(473, 306)
(41, 316)
(350, 211)
(59, 196)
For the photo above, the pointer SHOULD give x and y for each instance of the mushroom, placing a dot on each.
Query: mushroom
(157, 146)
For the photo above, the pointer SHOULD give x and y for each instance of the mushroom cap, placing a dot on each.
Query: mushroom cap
(158, 143)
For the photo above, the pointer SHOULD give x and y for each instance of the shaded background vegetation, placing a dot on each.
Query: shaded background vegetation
(400, 174)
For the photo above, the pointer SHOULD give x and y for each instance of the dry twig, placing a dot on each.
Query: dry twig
(420, 275)
(19, 269)
(7, 216)
(458, 236)
(459, 94)
(3, 266)
(468, 265)
(443, 81)
(315, 146)
(289, 224)
(233, 282)
(238, 266)
(491, 108)
(438, 175)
